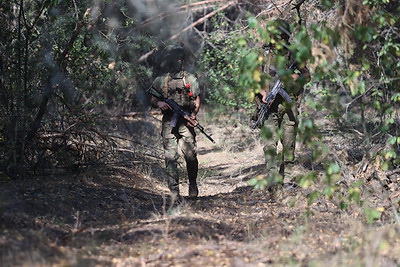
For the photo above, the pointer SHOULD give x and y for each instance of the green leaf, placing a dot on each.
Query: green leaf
(242, 42)
(333, 168)
(327, 3)
(252, 22)
(364, 33)
(329, 190)
(392, 140)
(372, 215)
(343, 205)
(312, 197)
(354, 194)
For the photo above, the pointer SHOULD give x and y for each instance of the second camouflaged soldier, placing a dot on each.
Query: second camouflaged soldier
(182, 87)
(282, 121)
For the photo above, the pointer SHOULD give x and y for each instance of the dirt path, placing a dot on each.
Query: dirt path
(123, 217)
(233, 225)
(222, 171)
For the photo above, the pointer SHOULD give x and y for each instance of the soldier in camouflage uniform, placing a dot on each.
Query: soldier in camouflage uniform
(282, 122)
(182, 87)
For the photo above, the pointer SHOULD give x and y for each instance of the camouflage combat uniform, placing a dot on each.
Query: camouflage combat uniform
(181, 139)
(281, 125)
(283, 117)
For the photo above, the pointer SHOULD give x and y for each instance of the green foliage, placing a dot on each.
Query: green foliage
(55, 53)
(97, 65)
(327, 3)
(375, 2)
(372, 214)
(313, 196)
(220, 63)
(324, 34)
(308, 180)
(364, 34)
(355, 192)
(262, 182)
(367, 71)
(301, 46)
(259, 182)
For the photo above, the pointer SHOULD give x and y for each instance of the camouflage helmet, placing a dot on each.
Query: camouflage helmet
(173, 51)
(170, 56)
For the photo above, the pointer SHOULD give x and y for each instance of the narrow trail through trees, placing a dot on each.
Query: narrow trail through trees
(123, 216)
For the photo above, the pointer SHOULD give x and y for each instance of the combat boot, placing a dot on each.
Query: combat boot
(173, 186)
(290, 175)
(192, 169)
(193, 190)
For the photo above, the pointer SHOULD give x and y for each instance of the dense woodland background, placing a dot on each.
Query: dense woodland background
(65, 64)
(72, 73)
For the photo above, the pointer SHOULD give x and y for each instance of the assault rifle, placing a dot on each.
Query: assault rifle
(264, 111)
(178, 112)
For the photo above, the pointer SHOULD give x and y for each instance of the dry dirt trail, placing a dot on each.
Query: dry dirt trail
(231, 224)
(223, 171)
(122, 216)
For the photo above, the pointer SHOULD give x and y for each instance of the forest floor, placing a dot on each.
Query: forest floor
(121, 215)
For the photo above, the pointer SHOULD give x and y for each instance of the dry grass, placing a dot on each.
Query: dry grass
(121, 215)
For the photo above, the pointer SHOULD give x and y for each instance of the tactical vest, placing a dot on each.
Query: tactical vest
(178, 89)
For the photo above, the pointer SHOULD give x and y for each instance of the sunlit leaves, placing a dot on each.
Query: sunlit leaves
(394, 140)
(301, 47)
(252, 21)
(329, 190)
(307, 180)
(333, 169)
(242, 42)
(221, 63)
(373, 214)
(262, 182)
(372, 2)
(390, 47)
(259, 182)
(355, 192)
(325, 34)
(257, 76)
(332, 172)
(389, 154)
(312, 197)
(308, 131)
(250, 75)
(355, 70)
(352, 80)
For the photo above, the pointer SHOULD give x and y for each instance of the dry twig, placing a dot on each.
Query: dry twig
(197, 22)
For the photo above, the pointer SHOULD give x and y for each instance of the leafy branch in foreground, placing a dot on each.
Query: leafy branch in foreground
(359, 62)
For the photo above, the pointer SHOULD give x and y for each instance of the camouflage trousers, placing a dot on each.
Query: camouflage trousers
(180, 140)
(281, 125)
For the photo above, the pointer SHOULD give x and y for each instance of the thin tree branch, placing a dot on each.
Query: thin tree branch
(297, 7)
(49, 86)
(173, 37)
(182, 8)
(73, 38)
(201, 20)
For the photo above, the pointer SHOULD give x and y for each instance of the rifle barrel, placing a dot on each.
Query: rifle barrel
(201, 129)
